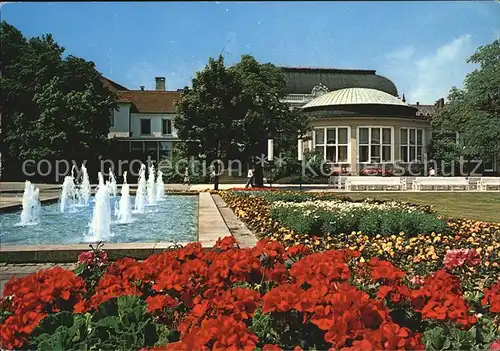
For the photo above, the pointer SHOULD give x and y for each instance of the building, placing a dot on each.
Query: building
(143, 123)
(359, 120)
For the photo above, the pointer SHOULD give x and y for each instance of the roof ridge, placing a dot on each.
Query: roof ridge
(328, 69)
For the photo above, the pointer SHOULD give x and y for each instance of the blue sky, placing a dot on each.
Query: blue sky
(421, 46)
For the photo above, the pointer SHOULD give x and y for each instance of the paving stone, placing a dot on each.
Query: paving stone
(244, 236)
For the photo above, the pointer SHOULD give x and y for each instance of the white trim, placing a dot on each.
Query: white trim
(337, 145)
(171, 126)
(381, 144)
(408, 145)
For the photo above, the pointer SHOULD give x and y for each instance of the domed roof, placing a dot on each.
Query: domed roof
(302, 80)
(355, 96)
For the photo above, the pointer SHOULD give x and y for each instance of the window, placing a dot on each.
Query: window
(166, 126)
(412, 144)
(332, 143)
(374, 144)
(145, 126)
(137, 146)
(489, 164)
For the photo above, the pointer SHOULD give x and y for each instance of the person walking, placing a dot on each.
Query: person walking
(186, 176)
(250, 178)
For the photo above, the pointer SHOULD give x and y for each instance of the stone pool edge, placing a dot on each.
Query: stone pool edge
(211, 226)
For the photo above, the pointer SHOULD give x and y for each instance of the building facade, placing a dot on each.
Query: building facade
(143, 124)
(359, 121)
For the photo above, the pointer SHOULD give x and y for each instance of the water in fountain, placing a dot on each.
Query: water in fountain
(84, 189)
(68, 194)
(31, 205)
(140, 196)
(113, 188)
(124, 212)
(151, 186)
(100, 227)
(160, 187)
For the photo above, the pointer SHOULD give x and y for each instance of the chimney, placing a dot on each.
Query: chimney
(441, 102)
(404, 98)
(160, 84)
(142, 87)
(418, 103)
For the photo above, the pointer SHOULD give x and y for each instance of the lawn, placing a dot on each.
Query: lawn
(478, 206)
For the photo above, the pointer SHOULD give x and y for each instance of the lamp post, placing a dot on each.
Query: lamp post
(300, 157)
(270, 158)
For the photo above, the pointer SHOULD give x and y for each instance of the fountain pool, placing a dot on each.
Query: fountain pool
(175, 219)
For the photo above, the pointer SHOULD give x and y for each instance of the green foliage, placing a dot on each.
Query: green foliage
(262, 326)
(273, 196)
(123, 324)
(173, 169)
(370, 222)
(52, 108)
(438, 338)
(473, 111)
(119, 324)
(62, 331)
(313, 170)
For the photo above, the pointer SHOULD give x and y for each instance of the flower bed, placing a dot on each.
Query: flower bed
(421, 253)
(266, 298)
(324, 217)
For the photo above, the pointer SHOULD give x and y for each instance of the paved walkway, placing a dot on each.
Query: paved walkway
(211, 225)
(238, 229)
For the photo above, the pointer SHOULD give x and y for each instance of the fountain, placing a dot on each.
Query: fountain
(100, 227)
(151, 186)
(140, 196)
(31, 205)
(113, 188)
(124, 212)
(160, 186)
(84, 189)
(68, 194)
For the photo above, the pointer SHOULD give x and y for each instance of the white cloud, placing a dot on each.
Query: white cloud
(402, 54)
(426, 78)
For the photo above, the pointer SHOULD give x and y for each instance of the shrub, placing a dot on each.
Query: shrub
(368, 220)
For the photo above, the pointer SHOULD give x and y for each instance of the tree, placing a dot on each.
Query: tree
(52, 108)
(206, 111)
(231, 112)
(263, 112)
(473, 112)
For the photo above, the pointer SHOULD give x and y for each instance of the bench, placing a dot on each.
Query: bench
(374, 182)
(486, 182)
(440, 182)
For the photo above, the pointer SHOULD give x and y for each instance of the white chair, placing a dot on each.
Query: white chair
(486, 182)
(452, 183)
(374, 182)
